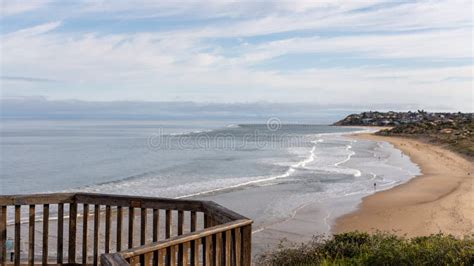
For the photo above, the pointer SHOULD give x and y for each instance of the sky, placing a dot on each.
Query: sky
(370, 53)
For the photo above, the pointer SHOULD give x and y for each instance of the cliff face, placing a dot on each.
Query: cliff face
(456, 130)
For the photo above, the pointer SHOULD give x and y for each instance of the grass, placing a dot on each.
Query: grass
(356, 248)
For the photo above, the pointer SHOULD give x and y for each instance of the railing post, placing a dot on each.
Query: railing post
(72, 233)
(247, 245)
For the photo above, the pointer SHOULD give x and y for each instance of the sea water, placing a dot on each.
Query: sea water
(266, 171)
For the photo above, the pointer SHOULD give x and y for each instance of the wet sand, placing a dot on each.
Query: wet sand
(439, 200)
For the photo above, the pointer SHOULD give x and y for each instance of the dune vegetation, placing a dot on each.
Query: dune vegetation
(357, 248)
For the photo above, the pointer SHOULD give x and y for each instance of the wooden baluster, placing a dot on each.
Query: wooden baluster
(168, 232)
(208, 255)
(3, 235)
(143, 217)
(193, 245)
(247, 245)
(195, 256)
(185, 254)
(160, 257)
(156, 232)
(180, 232)
(108, 217)
(60, 227)
(72, 233)
(237, 246)
(85, 229)
(148, 257)
(96, 233)
(172, 255)
(119, 228)
(228, 250)
(131, 218)
(45, 233)
(17, 233)
(134, 260)
(31, 236)
(218, 249)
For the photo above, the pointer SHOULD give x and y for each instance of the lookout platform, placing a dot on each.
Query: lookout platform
(91, 229)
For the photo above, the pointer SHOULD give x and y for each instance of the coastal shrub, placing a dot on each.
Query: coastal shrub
(357, 248)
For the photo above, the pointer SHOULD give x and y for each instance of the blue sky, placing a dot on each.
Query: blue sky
(323, 52)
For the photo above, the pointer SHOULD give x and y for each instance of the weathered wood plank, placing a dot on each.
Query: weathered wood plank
(36, 199)
(45, 233)
(31, 236)
(247, 245)
(60, 239)
(195, 256)
(72, 233)
(3, 234)
(108, 217)
(185, 254)
(218, 249)
(208, 254)
(119, 228)
(148, 257)
(172, 255)
(160, 257)
(237, 246)
(228, 250)
(96, 232)
(131, 219)
(85, 229)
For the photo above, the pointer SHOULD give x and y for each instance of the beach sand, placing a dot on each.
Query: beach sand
(439, 200)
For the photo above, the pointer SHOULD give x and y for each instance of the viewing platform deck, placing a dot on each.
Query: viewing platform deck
(86, 228)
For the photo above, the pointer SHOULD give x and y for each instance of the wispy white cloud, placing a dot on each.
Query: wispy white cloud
(13, 7)
(193, 62)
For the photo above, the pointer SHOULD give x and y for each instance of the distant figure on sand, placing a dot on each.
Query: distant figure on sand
(375, 186)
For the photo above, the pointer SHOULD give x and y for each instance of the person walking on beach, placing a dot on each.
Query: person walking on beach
(375, 186)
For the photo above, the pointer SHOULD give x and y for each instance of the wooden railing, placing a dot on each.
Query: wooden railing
(85, 228)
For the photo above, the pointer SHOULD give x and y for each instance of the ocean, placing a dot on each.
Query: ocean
(266, 171)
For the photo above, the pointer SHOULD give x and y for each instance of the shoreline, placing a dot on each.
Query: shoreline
(441, 199)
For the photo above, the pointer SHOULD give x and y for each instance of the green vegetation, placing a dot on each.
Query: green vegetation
(455, 135)
(356, 248)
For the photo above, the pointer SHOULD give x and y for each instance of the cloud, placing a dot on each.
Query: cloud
(25, 79)
(223, 52)
(14, 7)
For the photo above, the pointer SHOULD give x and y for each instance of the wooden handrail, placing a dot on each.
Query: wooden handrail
(221, 213)
(139, 201)
(38, 199)
(173, 241)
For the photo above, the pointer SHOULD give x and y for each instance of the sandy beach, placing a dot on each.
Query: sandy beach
(439, 200)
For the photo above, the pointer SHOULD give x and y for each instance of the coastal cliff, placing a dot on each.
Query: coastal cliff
(453, 130)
